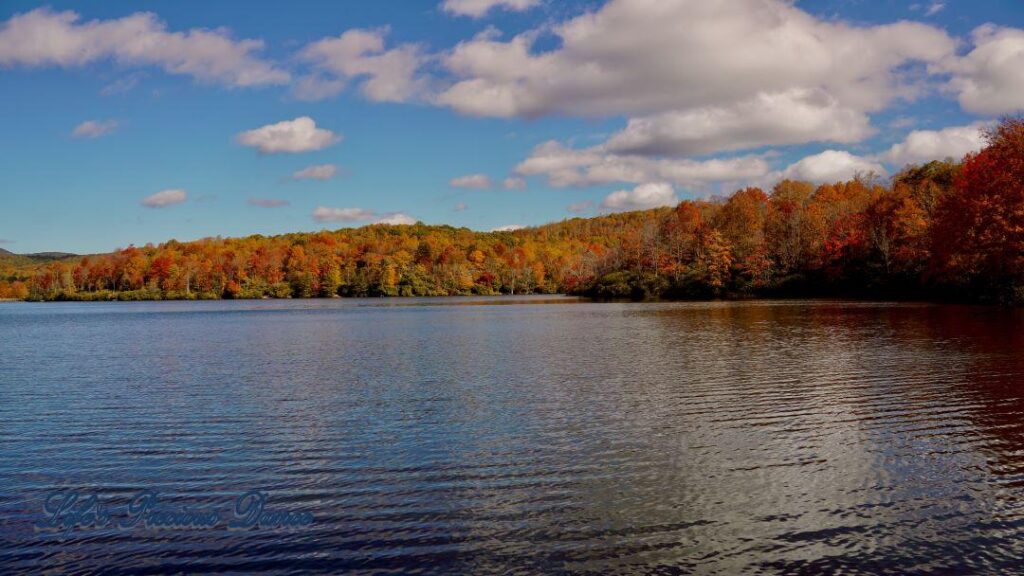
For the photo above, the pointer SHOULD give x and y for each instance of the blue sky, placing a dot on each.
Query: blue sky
(106, 107)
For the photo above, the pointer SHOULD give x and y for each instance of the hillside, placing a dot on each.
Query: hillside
(35, 257)
(939, 230)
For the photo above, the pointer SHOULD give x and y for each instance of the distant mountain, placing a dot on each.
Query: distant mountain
(50, 255)
(20, 259)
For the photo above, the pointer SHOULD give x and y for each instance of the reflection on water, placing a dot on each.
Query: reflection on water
(548, 436)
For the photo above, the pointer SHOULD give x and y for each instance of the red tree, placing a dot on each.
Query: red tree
(978, 236)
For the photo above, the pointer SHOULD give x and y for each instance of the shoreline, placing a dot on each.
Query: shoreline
(577, 297)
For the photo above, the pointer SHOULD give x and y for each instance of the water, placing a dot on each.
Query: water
(520, 436)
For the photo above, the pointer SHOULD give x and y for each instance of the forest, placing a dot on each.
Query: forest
(947, 230)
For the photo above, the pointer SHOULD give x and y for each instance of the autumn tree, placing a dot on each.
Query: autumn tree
(741, 221)
(785, 226)
(978, 235)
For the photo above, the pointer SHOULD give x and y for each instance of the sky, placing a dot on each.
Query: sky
(134, 122)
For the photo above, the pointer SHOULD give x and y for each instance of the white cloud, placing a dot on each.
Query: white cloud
(298, 135)
(325, 214)
(396, 219)
(43, 37)
(921, 146)
(388, 75)
(935, 8)
(267, 202)
(513, 183)
(830, 166)
(94, 128)
(165, 198)
(791, 117)
(478, 8)
(473, 181)
(641, 57)
(644, 196)
(990, 79)
(565, 166)
(316, 172)
(508, 228)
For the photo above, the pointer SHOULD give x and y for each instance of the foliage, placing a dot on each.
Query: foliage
(938, 229)
(978, 233)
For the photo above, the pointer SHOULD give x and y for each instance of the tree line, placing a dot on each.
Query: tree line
(944, 230)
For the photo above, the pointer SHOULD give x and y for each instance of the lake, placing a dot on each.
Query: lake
(516, 436)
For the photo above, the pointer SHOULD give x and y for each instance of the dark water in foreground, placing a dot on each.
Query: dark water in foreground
(546, 436)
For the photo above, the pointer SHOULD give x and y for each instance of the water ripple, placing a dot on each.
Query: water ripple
(520, 436)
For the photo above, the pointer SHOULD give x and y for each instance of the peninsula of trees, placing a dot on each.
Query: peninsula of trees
(945, 230)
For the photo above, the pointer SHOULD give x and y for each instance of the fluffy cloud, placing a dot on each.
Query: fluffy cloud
(830, 166)
(94, 128)
(565, 166)
(478, 8)
(644, 196)
(389, 75)
(709, 53)
(316, 172)
(325, 214)
(165, 198)
(513, 183)
(923, 146)
(43, 37)
(791, 117)
(508, 228)
(267, 202)
(990, 79)
(472, 181)
(299, 135)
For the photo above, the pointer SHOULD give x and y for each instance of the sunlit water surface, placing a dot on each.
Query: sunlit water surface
(520, 436)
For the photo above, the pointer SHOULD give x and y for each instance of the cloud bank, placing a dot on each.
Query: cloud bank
(43, 37)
